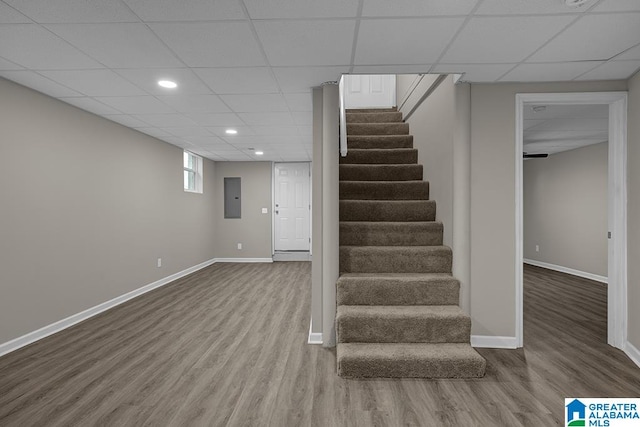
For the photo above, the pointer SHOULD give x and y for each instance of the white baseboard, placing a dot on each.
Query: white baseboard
(632, 352)
(487, 341)
(314, 337)
(561, 269)
(244, 259)
(86, 314)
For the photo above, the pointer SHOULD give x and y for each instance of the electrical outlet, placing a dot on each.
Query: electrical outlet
(239, 246)
(265, 210)
(159, 262)
(537, 248)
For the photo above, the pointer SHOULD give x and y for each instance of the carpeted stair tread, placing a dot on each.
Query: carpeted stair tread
(387, 210)
(395, 259)
(379, 141)
(381, 156)
(397, 289)
(377, 128)
(384, 190)
(381, 233)
(368, 172)
(402, 323)
(371, 110)
(377, 117)
(409, 360)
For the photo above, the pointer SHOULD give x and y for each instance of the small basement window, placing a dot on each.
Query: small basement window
(192, 172)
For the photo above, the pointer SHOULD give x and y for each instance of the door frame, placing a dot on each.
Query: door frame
(616, 201)
(273, 205)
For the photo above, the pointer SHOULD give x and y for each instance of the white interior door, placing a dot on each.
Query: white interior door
(370, 91)
(292, 207)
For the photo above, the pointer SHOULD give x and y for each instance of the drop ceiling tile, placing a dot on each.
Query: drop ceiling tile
(266, 119)
(275, 130)
(147, 80)
(221, 131)
(37, 82)
(130, 45)
(216, 119)
(525, 7)
(8, 65)
(94, 82)
(388, 8)
(554, 112)
(91, 105)
(155, 132)
(186, 10)
(9, 15)
(299, 43)
(392, 69)
(299, 101)
(255, 102)
(379, 44)
(238, 80)
(632, 53)
(204, 141)
(549, 72)
(612, 70)
(236, 157)
(475, 72)
(485, 40)
(302, 118)
(618, 6)
(195, 103)
(212, 44)
(302, 79)
(269, 9)
(593, 37)
(572, 124)
(137, 105)
(34, 47)
(74, 11)
(186, 131)
(165, 120)
(127, 120)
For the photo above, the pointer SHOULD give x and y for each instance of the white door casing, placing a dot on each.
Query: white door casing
(617, 204)
(292, 209)
(370, 91)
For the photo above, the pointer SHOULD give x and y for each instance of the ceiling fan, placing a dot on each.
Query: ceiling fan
(534, 156)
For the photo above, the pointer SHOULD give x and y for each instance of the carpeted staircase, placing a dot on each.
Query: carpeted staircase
(398, 313)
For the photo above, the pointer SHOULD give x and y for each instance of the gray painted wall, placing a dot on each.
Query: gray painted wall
(87, 207)
(633, 190)
(565, 209)
(253, 229)
(493, 198)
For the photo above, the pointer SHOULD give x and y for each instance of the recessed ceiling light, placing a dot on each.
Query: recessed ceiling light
(259, 153)
(231, 131)
(167, 84)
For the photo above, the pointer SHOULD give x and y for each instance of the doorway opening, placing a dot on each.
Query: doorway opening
(616, 104)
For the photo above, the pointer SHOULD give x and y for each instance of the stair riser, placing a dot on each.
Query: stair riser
(416, 368)
(391, 117)
(378, 129)
(380, 190)
(366, 210)
(391, 234)
(365, 291)
(376, 141)
(372, 259)
(397, 156)
(403, 329)
(371, 110)
(381, 172)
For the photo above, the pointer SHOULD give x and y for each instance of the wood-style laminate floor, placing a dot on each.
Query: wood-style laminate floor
(226, 346)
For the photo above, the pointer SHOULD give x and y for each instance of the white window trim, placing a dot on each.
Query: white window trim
(198, 173)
